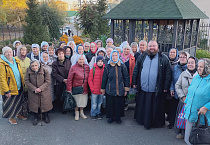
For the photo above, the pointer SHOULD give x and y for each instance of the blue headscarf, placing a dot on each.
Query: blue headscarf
(78, 47)
(117, 59)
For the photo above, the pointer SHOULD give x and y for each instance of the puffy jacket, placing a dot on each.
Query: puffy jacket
(93, 60)
(115, 79)
(24, 64)
(76, 77)
(131, 67)
(197, 97)
(7, 78)
(96, 80)
(183, 83)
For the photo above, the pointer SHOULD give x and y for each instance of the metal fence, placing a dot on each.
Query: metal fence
(204, 36)
(8, 32)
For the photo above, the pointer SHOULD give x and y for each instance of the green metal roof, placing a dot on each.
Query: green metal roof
(155, 9)
(71, 13)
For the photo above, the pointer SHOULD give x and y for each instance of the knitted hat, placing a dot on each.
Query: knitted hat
(5, 49)
(99, 58)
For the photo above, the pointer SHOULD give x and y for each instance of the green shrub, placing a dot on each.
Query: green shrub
(202, 54)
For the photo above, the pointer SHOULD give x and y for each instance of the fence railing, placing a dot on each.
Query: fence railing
(10, 32)
(204, 36)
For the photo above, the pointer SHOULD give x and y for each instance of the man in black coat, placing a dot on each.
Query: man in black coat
(152, 78)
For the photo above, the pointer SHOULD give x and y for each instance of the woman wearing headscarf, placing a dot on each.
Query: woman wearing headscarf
(115, 84)
(35, 53)
(86, 47)
(24, 63)
(61, 44)
(92, 52)
(12, 82)
(198, 98)
(51, 52)
(78, 76)
(15, 45)
(101, 51)
(79, 51)
(39, 100)
(134, 48)
(119, 50)
(72, 45)
(69, 52)
(109, 43)
(173, 102)
(181, 88)
(60, 70)
(99, 43)
(129, 61)
(108, 52)
(173, 56)
(44, 46)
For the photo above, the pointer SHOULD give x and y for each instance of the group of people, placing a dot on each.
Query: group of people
(165, 84)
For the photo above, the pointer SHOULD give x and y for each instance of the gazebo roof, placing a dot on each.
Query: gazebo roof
(156, 9)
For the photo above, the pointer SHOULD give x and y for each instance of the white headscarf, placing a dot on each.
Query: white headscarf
(76, 60)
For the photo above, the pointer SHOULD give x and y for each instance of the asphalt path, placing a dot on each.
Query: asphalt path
(64, 130)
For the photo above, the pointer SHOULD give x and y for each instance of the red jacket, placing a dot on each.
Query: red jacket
(131, 67)
(76, 77)
(95, 82)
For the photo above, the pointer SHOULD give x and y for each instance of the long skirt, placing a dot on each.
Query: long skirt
(177, 130)
(150, 110)
(12, 106)
(114, 106)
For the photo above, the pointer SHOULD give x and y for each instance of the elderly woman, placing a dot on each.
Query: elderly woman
(198, 97)
(60, 70)
(39, 100)
(92, 52)
(99, 43)
(61, 44)
(134, 47)
(86, 47)
(51, 52)
(79, 51)
(72, 45)
(44, 46)
(69, 52)
(101, 51)
(78, 76)
(35, 53)
(15, 45)
(181, 88)
(115, 84)
(142, 48)
(119, 50)
(24, 63)
(12, 82)
(173, 102)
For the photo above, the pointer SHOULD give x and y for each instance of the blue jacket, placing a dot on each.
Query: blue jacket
(176, 72)
(197, 97)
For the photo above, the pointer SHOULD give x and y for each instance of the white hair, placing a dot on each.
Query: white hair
(143, 41)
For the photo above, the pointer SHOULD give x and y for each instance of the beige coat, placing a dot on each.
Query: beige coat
(41, 80)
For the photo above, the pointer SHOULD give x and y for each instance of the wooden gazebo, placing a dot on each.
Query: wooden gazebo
(173, 23)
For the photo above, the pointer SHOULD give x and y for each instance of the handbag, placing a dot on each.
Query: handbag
(79, 89)
(200, 134)
(181, 121)
(69, 102)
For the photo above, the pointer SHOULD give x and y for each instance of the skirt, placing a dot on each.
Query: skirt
(12, 106)
(81, 100)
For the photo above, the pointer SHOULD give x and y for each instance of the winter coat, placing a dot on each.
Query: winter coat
(93, 60)
(176, 72)
(115, 79)
(183, 83)
(163, 77)
(96, 80)
(41, 80)
(197, 97)
(24, 64)
(131, 67)
(7, 78)
(89, 56)
(76, 77)
(60, 72)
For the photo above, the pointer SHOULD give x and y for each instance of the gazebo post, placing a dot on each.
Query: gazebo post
(142, 30)
(150, 30)
(132, 25)
(184, 34)
(112, 28)
(197, 30)
(175, 33)
(158, 24)
(191, 31)
(123, 30)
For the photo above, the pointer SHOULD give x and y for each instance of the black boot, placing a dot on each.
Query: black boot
(46, 117)
(35, 121)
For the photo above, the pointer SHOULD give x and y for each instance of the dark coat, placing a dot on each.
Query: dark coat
(76, 77)
(60, 72)
(89, 56)
(41, 80)
(116, 79)
(164, 73)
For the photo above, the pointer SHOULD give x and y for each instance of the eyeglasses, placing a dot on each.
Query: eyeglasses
(183, 57)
